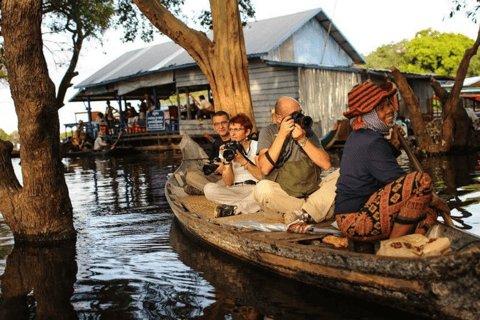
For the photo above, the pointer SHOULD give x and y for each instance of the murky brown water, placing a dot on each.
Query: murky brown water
(132, 261)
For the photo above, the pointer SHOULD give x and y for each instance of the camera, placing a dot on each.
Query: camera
(304, 121)
(210, 167)
(229, 151)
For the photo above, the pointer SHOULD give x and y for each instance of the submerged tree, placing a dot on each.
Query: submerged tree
(456, 127)
(223, 59)
(41, 208)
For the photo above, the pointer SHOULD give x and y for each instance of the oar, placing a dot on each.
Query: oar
(118, 139)
(418, 167)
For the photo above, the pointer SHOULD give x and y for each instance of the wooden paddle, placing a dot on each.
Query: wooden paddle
(118, 139)
(418, 167)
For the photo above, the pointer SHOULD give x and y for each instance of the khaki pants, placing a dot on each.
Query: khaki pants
(320, 204)
(240, 196)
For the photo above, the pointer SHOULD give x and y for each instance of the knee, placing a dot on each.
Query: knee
(209, 190)
(262, 190)
(423, 182)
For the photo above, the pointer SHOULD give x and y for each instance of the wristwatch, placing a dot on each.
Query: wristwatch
(302, 143)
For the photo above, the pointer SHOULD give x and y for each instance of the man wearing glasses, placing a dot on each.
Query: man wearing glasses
(220, 125)
(291, 158)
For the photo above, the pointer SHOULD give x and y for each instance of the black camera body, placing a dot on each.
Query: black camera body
(304, 121)
(210, 167)
(230, 148)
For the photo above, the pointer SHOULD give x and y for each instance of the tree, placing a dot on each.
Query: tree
(387, 55)
(82, 20)
(40, 210)
(223, 60)
(428, 52)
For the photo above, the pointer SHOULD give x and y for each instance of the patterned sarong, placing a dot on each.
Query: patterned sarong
(404, 201)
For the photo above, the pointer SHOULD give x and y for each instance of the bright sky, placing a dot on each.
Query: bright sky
(367, 24)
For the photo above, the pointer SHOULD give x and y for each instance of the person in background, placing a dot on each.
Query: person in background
(76, 135)
(110, 117)
(84, 145)
(205, 108)
(291, 159)
(375, 198)
(101, 144)
(240, 173)
(101, 123)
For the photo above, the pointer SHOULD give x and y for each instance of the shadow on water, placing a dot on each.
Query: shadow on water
(131, 262)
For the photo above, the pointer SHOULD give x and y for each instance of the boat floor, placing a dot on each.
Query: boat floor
(205, 209)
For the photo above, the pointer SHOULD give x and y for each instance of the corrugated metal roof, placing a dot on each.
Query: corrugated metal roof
(261, 37)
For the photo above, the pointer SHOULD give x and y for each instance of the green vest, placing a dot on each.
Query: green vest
(297, 178)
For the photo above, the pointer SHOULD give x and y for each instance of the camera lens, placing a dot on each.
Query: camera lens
(307, 122)
(229, 154)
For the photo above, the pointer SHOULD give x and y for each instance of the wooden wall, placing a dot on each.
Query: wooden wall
(267, 84)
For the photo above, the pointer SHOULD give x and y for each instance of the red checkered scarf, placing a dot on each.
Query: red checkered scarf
(364, 97)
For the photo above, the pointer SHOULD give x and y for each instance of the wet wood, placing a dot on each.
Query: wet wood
(349, 275)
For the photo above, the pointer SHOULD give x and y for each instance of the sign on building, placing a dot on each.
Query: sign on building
(155, 121)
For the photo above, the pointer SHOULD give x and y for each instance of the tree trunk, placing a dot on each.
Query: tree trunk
(424, 141)
(223, 60)
(41, 209)
(77, 42)
(450, 109)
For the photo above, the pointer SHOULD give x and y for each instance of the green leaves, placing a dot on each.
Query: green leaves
(428, 52)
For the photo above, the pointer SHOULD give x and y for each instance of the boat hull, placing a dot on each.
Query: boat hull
(442, 287)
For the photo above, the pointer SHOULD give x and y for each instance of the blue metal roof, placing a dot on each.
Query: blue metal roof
(261, 37)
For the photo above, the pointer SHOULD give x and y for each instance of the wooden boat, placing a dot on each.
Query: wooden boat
(116, 152)
(443, 287)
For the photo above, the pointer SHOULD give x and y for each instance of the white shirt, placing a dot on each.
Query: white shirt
(99, 143)
(240, 172)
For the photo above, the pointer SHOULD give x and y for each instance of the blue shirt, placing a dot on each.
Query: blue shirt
(368, 163)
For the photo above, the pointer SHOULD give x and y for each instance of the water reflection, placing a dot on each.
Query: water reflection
(48, 273)
(131, 262)
(245, 292)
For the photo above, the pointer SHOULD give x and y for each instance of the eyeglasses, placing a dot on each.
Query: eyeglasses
(223, 123)
(236, 129)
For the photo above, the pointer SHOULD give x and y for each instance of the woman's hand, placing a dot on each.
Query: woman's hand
(394, 140)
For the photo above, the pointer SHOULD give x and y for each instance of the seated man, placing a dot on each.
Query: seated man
(101, 143)
(291, 159)
(220, 125)
(239, 172)
(84, 145)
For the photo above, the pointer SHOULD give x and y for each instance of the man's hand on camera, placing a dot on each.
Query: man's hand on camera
(298, 133)
(286, 126)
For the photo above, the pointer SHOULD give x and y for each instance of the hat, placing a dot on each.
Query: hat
(364, 97)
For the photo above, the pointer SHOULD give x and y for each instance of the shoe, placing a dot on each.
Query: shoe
(301, 215)
(224, 210)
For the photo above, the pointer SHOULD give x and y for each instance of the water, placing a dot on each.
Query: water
(131, 259)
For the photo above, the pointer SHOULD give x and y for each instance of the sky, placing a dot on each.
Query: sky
(366, 24)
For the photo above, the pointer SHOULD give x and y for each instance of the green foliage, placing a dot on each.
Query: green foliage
(429, 52)
(134, 23)
(470, 8)
(90, 18)
(387, 56)
(4, 136)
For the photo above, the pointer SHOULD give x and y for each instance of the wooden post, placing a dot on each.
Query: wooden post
(187, 101)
